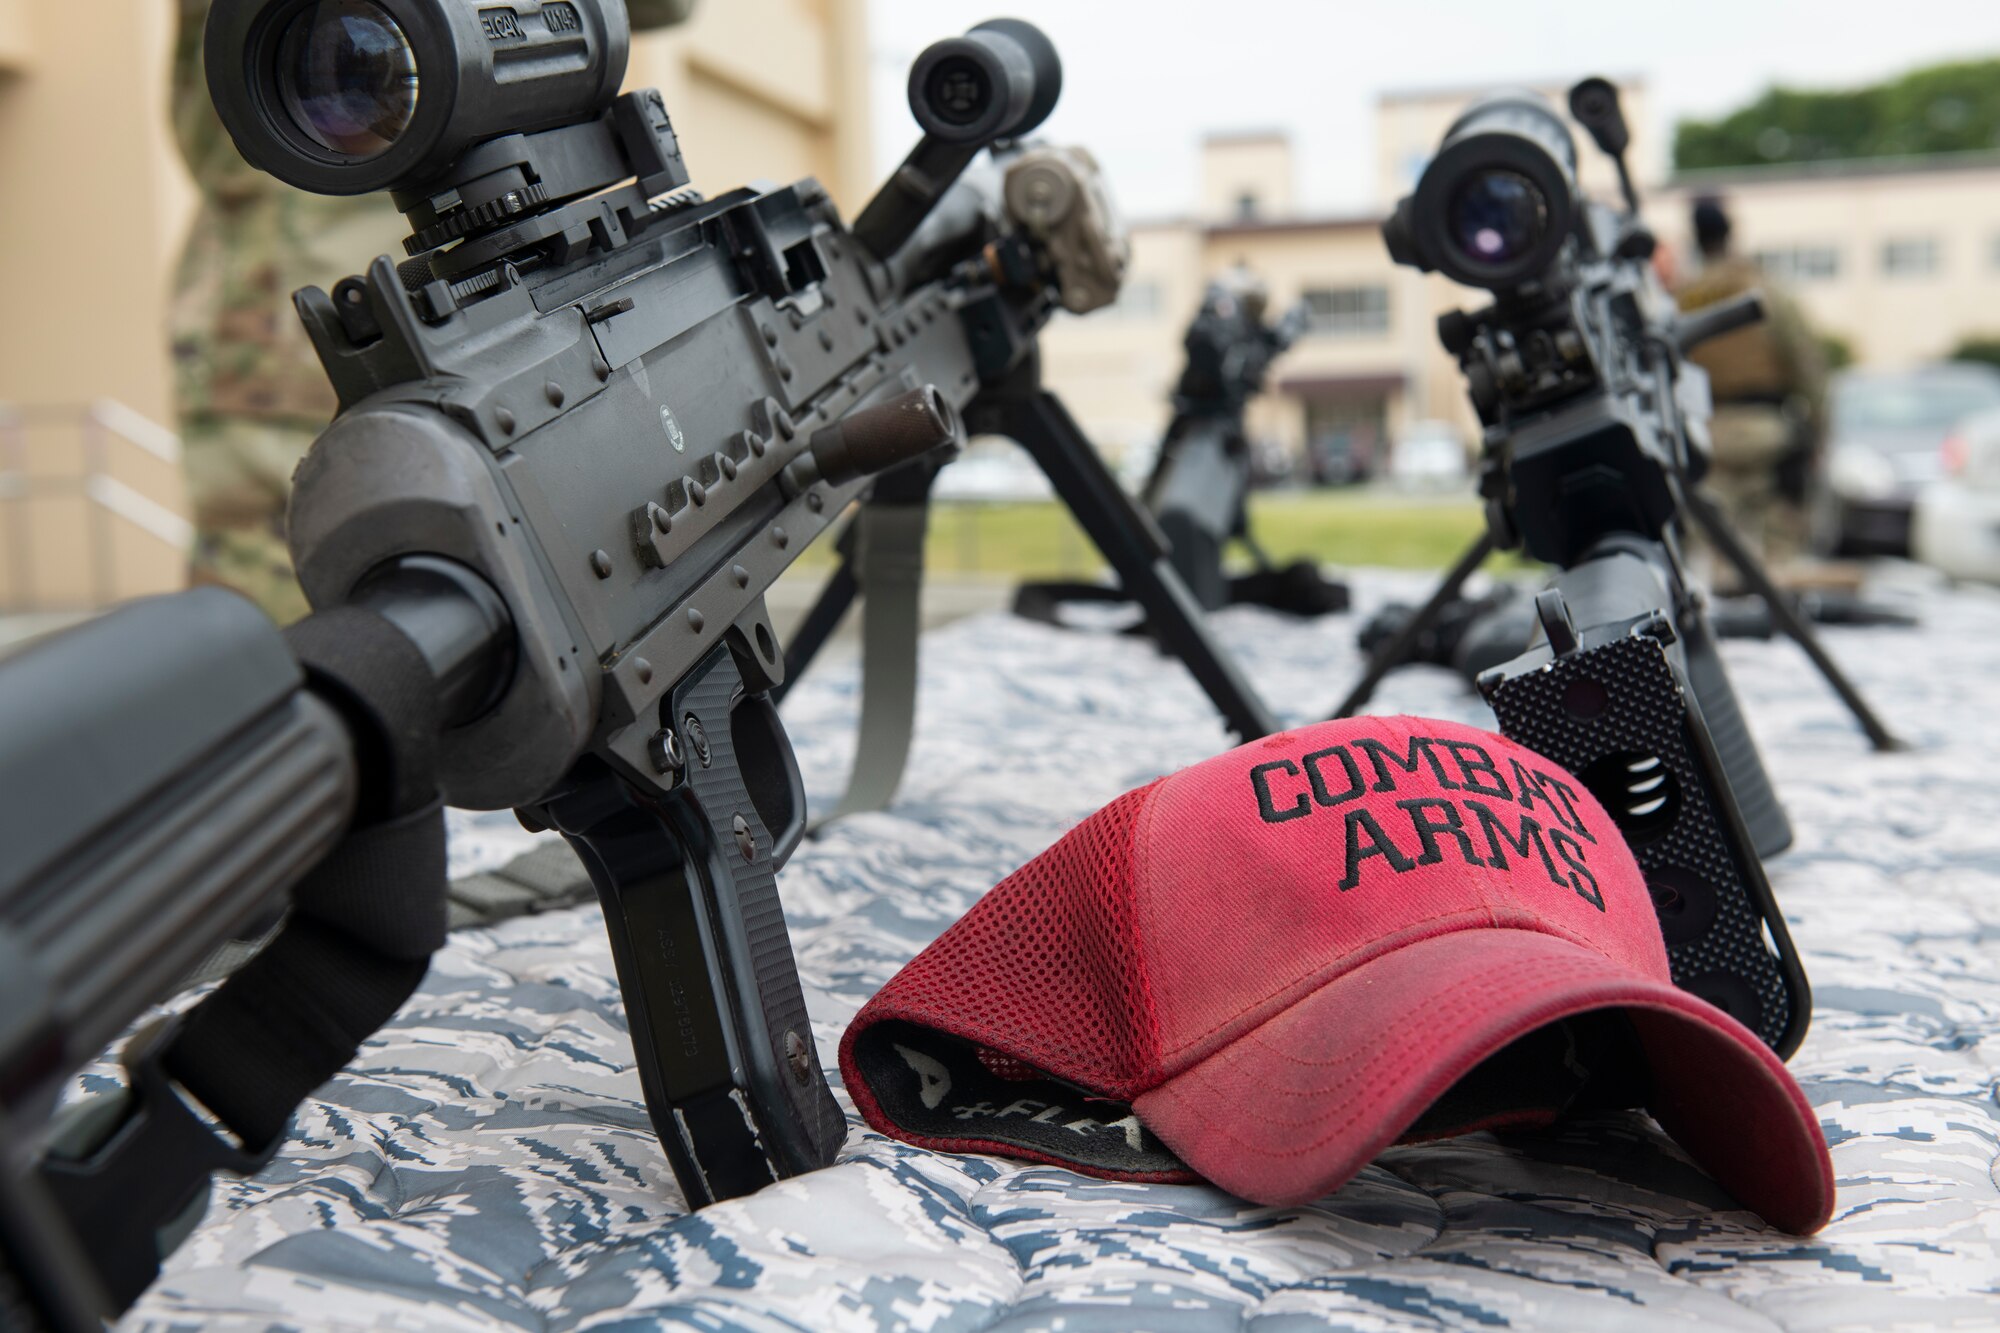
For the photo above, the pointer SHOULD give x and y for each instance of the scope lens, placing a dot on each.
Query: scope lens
(958, 91)
(1496, 216)
(348, 76)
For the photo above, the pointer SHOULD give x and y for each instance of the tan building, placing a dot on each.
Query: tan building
(1900, 258)
(90, 491)
(1368, 365)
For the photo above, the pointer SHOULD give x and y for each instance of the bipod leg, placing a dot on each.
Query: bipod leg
(1130, 542)
(1392, 654)
(1752, 572)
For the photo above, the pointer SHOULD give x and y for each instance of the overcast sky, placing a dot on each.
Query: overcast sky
(1145, 79)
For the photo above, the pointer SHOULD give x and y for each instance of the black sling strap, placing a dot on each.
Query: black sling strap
(358, 940)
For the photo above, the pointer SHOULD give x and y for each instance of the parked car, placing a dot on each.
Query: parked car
(1887, 434)
(1272, 464)
(1341, 457)
(992, 471)
(1430, 457)
(1955, 524)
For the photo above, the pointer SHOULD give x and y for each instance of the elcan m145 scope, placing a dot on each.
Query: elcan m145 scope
(1495, 205)
(351, 96)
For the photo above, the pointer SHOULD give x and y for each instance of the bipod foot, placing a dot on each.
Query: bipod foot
(1297, 589)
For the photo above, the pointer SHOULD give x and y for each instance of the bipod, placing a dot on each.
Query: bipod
(884, 556)
(1393, 653)
(1785, 616)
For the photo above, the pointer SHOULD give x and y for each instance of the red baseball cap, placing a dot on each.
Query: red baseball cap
(1267, 968)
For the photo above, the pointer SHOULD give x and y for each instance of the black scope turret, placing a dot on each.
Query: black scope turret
(1495, 205)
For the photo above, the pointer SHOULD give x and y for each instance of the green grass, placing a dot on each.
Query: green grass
(1353, 527)
(1339, 527)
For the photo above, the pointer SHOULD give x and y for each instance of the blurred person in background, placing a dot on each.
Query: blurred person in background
(250, 395)
(1769, 383)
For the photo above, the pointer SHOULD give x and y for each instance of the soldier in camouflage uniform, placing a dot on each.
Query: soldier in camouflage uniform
(250, 393)
(1769, 382)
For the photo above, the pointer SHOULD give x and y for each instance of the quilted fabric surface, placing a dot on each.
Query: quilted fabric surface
(487, 1164)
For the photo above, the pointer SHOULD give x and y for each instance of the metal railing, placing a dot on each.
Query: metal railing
(102, 426)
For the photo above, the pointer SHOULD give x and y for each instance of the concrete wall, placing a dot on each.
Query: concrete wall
(1852, 214)
(1253, 171)
(1115, 367)
(767, 89)
(98, 203)
(87, 238)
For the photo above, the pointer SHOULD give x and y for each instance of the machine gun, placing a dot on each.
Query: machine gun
(1595, 433)
(582, 428)
(1198, 492)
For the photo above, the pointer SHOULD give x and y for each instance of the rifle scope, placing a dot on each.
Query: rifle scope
(1001, 78)
(352, 96)
(1495, 205)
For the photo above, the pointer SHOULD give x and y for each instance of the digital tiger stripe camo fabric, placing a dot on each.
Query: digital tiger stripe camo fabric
(486, 1165)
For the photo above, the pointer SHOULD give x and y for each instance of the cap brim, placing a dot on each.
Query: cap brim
(1346, 1071)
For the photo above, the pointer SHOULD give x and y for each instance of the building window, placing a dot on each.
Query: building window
(1345, 312)
(1246, 206)
(1910, 257)
(1799, 263)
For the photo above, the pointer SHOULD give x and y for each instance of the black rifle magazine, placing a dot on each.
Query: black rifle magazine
(1617, 716)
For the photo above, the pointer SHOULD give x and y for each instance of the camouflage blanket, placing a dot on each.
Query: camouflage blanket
(487, 1164)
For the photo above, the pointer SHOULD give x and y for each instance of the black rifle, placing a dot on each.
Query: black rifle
(1595, 432)
(582, 429)
(175, 771)
(1199, 490)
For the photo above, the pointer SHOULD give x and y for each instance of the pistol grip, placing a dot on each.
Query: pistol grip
(688, 879)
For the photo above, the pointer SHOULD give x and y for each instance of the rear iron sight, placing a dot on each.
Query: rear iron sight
(1495, 205)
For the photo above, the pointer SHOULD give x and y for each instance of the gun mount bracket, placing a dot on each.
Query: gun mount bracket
(476, 217)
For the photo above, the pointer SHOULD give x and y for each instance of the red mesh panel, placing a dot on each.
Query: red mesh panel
(1007, 1067)
(1043, 969)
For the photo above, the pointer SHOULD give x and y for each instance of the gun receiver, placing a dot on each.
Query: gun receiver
(1595, 428)
(628, 409)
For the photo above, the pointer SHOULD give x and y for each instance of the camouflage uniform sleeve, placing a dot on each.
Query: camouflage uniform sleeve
(219, 171)
(658, 13)
(1798, 351)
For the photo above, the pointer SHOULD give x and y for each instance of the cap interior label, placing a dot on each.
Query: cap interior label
(936, 1087)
